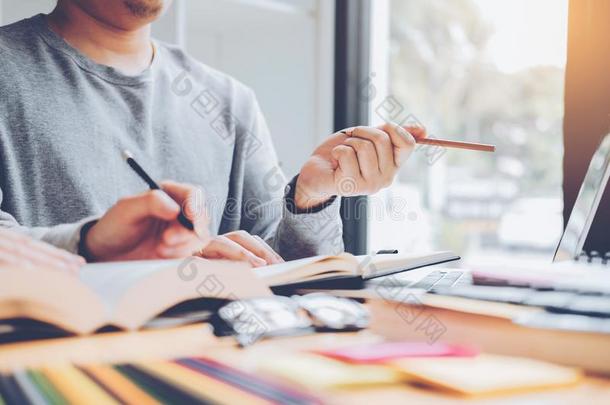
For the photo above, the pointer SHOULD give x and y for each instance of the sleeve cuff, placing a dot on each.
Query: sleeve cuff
(291, 205)
(64, 236)
(316, 231)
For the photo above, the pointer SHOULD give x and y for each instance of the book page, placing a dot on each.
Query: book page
(111, 281)
(275, 270)
(51, 296)
(307, 269)
(372, 266)
(192, 278)
(134, 292)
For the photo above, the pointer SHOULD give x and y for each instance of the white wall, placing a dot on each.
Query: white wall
(14, 10)
(283, 49)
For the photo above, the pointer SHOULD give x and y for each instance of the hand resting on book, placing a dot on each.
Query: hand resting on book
(241, 246)
(17, 250)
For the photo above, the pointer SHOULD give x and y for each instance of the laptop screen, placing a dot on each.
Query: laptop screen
(585, 207)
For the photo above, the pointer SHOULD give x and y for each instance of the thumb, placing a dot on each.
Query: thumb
(418, 132)
(155, 203)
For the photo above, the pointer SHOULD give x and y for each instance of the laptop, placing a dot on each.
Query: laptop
(593, 187)
(573, 295)
(570, 244)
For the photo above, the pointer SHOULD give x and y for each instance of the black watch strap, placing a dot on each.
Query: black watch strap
(291, 205)
(82, 246)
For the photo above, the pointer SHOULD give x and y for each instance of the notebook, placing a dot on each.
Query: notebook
(345, 266)
(124, 295)
(377, 353)
(318, 372)
(486, 374)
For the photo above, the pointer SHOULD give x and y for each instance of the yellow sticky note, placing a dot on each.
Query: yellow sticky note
(315, 371)
(487, 374)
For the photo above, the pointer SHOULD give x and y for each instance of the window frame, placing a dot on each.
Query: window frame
(352, 67)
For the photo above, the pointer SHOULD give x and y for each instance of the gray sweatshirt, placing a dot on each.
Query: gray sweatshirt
(65, 119)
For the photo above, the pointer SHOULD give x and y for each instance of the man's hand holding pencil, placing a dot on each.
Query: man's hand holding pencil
(362, 161)
(356, 161)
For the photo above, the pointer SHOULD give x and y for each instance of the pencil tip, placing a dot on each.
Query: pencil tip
(126, 154)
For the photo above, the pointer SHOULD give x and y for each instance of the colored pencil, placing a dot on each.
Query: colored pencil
(76, 387)
(119, 386)
(200, 384)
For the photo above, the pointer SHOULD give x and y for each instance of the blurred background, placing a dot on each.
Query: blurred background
(490, 71)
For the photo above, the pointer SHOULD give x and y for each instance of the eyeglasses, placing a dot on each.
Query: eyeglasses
(253, 319)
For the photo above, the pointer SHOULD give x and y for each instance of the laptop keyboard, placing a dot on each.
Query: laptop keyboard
(594, 258)
(564, 309)
(441, 279)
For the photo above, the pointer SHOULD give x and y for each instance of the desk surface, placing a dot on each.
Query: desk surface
(197, 340)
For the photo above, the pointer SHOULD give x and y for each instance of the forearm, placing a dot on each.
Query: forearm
(303, 235)
(64, 236)
(316, 231)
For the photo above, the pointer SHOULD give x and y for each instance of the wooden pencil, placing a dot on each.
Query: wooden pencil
(445, 143)
(481, 147)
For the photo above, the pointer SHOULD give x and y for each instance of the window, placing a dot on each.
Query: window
(489, 71)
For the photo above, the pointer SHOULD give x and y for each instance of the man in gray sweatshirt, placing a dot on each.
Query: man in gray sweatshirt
(84, 83)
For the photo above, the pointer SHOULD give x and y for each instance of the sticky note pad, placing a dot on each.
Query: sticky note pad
(382, 352)
(315, 371)
(487, 374)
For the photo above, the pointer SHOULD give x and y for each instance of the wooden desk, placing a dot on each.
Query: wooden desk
(197, 340)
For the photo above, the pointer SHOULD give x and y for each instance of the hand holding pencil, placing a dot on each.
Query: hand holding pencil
(420, 136)
(361, 161)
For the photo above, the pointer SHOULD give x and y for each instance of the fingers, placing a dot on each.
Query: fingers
(255, 244)
(192, 200)
(347, 162)
(403, 142)
(369, 158)
(180, 250)
(177, 241)
(222, 247)
(366, 154)
(176, 234)
(382, 145)
(20, 250)
(188, 196)
(365, 162)
(155, 204)
(42, 251)
(417, 131)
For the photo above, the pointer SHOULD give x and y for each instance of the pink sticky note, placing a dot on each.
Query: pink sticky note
(380, 352)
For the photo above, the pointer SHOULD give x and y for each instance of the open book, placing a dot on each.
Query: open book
(129, 294)
(125, 295)
(320, 269)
